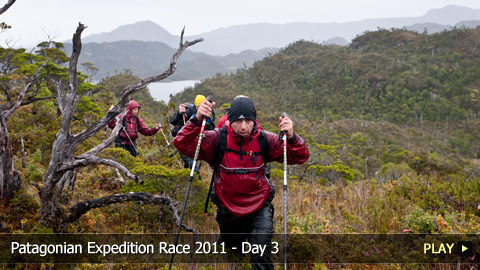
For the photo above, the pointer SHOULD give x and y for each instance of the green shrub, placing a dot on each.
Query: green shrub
(420, 221)
(157, 179)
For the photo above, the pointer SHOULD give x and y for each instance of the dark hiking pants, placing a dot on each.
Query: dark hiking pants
(255, 228)
(127, 147)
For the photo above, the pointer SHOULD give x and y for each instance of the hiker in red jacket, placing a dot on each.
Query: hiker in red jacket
(131, 125)
(242, 192)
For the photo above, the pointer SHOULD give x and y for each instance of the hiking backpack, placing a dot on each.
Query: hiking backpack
(124, 127)
(222, 148)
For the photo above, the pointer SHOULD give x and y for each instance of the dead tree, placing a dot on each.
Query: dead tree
(9, 177)
(63, 160)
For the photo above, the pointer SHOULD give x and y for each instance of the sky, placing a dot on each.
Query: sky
(34, 21)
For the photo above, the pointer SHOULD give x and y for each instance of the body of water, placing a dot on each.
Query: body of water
(162, 90)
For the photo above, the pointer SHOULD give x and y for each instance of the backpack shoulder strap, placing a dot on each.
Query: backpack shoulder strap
(124, 120)
(221, 147)
(263, 143)
(138, 124)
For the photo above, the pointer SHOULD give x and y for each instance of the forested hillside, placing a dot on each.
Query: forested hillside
(397, 76)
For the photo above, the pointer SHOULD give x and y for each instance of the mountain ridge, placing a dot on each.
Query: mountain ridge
(147, 58)
(255, 36)
(394, 75)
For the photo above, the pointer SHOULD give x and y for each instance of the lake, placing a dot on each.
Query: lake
(162, 90)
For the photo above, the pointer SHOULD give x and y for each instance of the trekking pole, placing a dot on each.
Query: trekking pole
(188, 188)
(183, 114)
(283, 137)
(133, 145)
(169, 146)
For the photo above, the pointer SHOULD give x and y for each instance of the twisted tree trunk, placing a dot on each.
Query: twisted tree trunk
(63, 160)
(10, 180)
(9, 177)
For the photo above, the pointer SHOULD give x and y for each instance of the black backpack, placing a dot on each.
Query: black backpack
(222, 148)
(177, 118)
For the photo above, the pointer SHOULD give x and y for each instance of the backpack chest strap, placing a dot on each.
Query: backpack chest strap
(137, 122)
(241, 170)
(251, 154)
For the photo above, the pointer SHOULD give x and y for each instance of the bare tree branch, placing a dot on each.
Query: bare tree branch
(107, 142)
(77, 48)
(32, 100)
(61, 151)
(65, 144)
(87, 133)
(69, 179)
(92, 92)
(81, 208)
(7, 6)
(59, 86)
(90, 159)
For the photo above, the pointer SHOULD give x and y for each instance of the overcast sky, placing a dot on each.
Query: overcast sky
(33, 20)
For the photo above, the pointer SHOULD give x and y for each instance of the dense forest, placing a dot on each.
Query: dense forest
(391, 122)
(392, 75)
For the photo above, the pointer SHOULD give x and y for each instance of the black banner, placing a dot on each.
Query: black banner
(205, 248)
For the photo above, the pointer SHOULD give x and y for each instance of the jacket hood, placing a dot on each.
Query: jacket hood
(133, 104)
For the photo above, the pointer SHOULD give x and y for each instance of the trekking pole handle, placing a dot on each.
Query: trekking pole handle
(283, 134)
(200, 137)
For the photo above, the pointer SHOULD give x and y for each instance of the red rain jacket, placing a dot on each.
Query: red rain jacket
(131, 125)
(240, 183)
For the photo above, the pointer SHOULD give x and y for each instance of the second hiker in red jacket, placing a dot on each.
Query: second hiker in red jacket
(131, 126)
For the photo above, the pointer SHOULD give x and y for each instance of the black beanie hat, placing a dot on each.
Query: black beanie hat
(242, 108)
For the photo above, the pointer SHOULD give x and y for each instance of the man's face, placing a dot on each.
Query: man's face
(243, 127)
(135, 111)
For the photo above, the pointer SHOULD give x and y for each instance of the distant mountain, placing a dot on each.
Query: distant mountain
(430, 28)
(468, 24)
(235, 39)
(450, 15)
(336, 41)
(143, 31)
(146, 58)
(433, 28)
